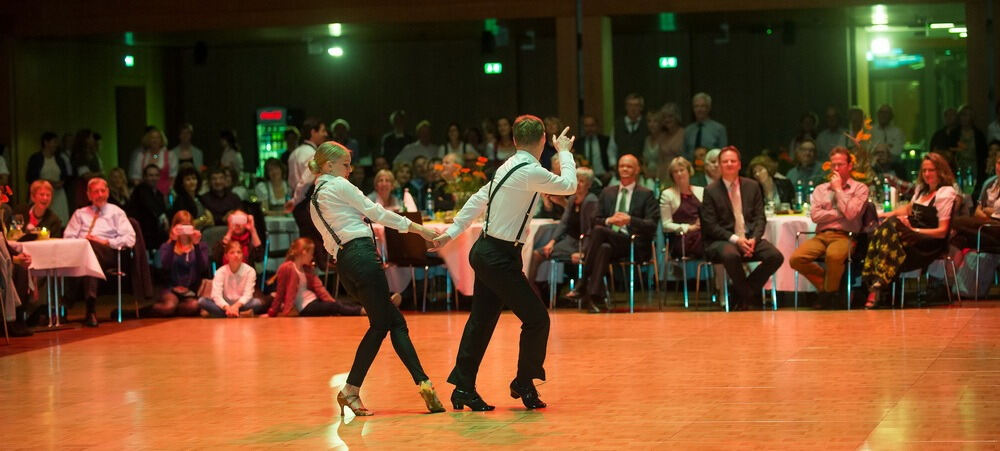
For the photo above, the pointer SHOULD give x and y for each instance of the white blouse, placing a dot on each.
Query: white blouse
(342, 207)
(944, 200)
(670, 201)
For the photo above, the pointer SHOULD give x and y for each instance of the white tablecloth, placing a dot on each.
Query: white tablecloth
(780, 232)
(70, 257)
(456, 254)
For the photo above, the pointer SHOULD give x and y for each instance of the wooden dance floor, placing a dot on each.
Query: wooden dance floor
(885, 379)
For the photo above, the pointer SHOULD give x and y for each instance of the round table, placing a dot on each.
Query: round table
(780, 232)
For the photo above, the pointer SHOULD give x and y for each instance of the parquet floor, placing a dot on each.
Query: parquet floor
(885, 379)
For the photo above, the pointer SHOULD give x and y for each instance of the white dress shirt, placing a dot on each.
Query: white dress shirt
(515, 196)
(736, 202)
(890, 135)
(343, 206)
(111, 224)
(229, 288)
(299, 175)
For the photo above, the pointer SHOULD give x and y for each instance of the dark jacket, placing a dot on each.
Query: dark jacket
(148, 207)
(718, 222)
(49, 220)
(35, 162)
(643, 208)
(588, 208)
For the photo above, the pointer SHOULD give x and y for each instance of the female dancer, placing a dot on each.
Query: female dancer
(337, 208)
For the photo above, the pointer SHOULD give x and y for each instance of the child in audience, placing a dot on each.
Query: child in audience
(242, 231)
(299, 287)
(232, 287)
(184, 260)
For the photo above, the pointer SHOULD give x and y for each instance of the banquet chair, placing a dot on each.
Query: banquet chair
(979, 251)
(943, 256)
(634, 266)
(410, 250)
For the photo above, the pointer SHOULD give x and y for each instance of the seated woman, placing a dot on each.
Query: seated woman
(777, 189)
(914, 234)
(118, 189)
(232, 288)
(987, 212)
(679, 210)
(576, 220)
(241, 230)
(273, 192)
(385, 193)
(299, 287)
(37, 214)
(187, 186)
(184, 261)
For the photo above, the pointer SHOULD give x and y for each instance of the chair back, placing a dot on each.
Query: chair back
(405, 249)
(869, 217)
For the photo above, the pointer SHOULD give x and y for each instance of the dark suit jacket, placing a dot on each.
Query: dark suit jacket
(580, 147)
(718, 222)
(643, 208)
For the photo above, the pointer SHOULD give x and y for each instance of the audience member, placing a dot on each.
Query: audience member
(504, 146)
(971, 148)
(836, 207)
(884, 166)
(776, 188)
(154, 151)
(340, 131)
(185, 196)
(273, 192)
(46, 165)
(914, 234)
(455, 142)
(292, 138)
(184, 262)
(855, 124)
(186, 153)
(629, 135)
(12, 263)
(84, 158)
(118, 190)
(672, 144)
(421, 147)
(808, 122)
(149, 208)
(37, 214)
(987, 212)
(553, 126)
(946, 138)
(710, 169)
(993, 131)
(623, 210)
(385, 185)
(733, 223)
(704, 131)
(230, 157)
(806, 169)
(577, 219)
(832, 134)
(596, 149)
(679, 210)
(219, 200)
(108, 229)
(232, 288)
(884, 132)
(241, 230)
(234, 183)
(298, 287)
(394, 141)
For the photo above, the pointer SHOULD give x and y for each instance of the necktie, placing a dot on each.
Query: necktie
(97, 214)
(737, 200)
(622, 207)
(697, 138)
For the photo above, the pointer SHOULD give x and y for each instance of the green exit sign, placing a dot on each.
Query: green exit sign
(668, 62)
(492, 68)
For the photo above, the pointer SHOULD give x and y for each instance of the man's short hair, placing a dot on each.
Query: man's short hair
(95, 181)
(841, 150)
(528, 130)
(216, 170)
(635, 96)
(148, 167)
(704, 96)
(739, 155)
(310, 125)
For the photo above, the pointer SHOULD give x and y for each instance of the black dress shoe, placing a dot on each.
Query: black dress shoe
(18, 329)
(462, 398)
(90, 320)
(527, 393)
(591, 307)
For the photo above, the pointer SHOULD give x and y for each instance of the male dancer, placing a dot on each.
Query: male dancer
(496, 258)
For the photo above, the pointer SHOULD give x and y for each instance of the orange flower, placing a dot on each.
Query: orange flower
(868, 124)
(479, 174)
(858, 175)
(438, 167)
(482, 160)
(466, 170)
(826, 166)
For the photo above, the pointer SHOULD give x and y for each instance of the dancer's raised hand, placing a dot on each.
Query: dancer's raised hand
(562, 142)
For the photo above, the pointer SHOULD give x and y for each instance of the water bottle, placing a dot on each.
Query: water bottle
(811, 188)
(960, 180)
(886, 195)
(406, 193)
(799, 195)
(430, 202)
(970, 181)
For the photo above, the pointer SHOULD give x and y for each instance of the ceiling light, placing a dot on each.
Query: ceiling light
(963, 35)
(881, 46)
(957, 30)
(879, 15)
(940, 25)
(335, 51)
(335, 29)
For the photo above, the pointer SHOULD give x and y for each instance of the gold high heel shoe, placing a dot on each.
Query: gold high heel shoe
(430, 397)
(354, 403)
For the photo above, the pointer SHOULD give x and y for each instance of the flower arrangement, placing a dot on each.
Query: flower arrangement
(464, 182)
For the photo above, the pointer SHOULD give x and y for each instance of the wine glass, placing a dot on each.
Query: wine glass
(18, 222)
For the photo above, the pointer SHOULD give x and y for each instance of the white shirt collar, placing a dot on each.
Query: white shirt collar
(630, 187)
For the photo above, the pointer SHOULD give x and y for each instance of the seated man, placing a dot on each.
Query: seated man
(987, 212)
(220, 199)
(836, 209)
(148, 206)
(732, 223)
(107, 228)
(623, 210)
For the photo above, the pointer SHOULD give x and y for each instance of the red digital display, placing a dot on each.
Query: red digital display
(271, 115)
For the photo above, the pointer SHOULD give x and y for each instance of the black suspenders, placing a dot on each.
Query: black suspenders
(315, 204)
(493, 192)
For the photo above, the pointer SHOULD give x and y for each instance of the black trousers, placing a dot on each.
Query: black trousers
(606, 246)
(86, 287)
(500, 281)
(746, 288)
(322, 308)
(364, 279)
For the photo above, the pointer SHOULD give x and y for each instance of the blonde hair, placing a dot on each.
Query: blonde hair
(387, 173)
(328, 151)
(39, 184)
(679, 162)
(148, 138)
